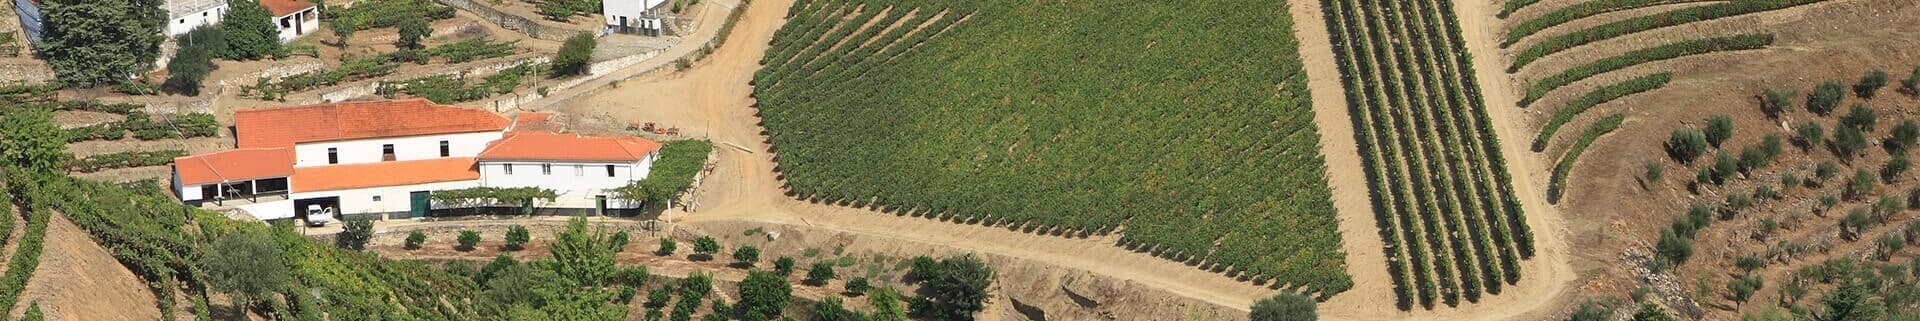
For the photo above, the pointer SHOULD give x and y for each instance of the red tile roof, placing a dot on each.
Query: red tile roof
(282, 127)
(352, 176)
(234, 165)
(281, 8)
(568, 147)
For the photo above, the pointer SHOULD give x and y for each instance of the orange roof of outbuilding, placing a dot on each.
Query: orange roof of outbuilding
(283, 127)
(234, 165)
(285, 7)
(352, 176)
(568, 147)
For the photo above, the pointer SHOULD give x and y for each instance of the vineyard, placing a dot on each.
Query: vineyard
(1183, 127)
(1440, 190)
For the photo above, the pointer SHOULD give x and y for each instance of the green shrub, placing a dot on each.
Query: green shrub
(667, 246)
(102, 162)
(412, 30)
(1776, 101)
(415, 239)
(189, 66)
(468, 239)
(706, 246)
(746, 255)
(1870, 83)
(1719, 129)
(1687, 144)
(1904, 135)
(1898, 165)
(1284, 307)
(1826, 97)
(1859, 116)
(1911, 85)
(354, 234)
(784, 265)
(820, 273)
(517, 236)
(574, 57)
(1848, 141)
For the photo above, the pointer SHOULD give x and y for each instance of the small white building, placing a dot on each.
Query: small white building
(295, 18)
(387, 158)
(627, 15)
(184, 15)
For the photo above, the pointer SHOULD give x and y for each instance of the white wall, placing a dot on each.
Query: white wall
(614, 9)
(360, 151)
(181, 25)
(297, 24)
(393, 199)
(577, 189)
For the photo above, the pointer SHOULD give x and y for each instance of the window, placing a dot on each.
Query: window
(445, 149)
(183, 21)
(579, 170)
(333, 155)
(546, 169)
(609, 170)
(386, 152)
(203, 14)
(508, 167)
(376, 198)
(284, 23)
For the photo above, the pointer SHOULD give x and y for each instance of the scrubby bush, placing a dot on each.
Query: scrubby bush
(1284, 307)
(1898, 165)
(1719, 129)
(706, 246)
(1859, 116)
(667, 246)
(1848, 141)
(194, 60)
(1809, 135)
(249, 30)
(517, 237)
(412, 31)
(468, 239)
(1776, 101)
(1653, 171)
(1911, 85)
(414, 239)
(1687, 144)
(784, 265)
(820, 273)
(1861, 185)
(857, 286)
(1826, 97)
(746, 255)
(1870, 83)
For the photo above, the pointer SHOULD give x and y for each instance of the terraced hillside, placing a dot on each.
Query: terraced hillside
(1183, 127)
(1440, 189)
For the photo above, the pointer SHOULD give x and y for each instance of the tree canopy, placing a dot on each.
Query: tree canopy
(1284, 307)
(763, 294)
(250, 32)
(955, 288)
(247, 264)
(92, 43)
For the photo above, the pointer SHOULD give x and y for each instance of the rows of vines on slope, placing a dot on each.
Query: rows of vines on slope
(1410, 98)
(1540, 88)
(1643, 23)
(1596, 97)
(1576, 12)
(950, 109)
(26, 255)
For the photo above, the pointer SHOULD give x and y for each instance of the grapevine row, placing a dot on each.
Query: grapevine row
(1596, 97)
(1540, 88)
(1576, 12)
(1566, 41)
(1439, 185)
(1561, 170)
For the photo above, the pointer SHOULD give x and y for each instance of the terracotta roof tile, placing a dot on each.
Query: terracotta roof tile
(234, 165)
(339, 177)
(283, 127)
(568, 147)
(285, 7)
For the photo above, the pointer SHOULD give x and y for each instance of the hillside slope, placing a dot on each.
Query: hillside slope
(79, 280)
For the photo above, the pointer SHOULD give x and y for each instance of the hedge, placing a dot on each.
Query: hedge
(1596, 97)
(124, 160)
(1648, 22)
(1636, 57)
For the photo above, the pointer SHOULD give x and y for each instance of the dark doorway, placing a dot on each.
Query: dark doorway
(421, 204)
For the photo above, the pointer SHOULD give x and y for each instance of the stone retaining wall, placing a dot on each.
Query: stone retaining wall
(530, 27)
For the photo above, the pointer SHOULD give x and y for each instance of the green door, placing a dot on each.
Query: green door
(420, 204)
(600, 205)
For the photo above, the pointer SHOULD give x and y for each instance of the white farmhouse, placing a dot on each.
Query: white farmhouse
(295, 18)
(629, 15)
(184, 15)
(386, 158)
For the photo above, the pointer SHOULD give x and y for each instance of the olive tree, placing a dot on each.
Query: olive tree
(1284, 307)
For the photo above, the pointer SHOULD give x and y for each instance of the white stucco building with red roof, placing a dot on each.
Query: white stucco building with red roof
(387, 158)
